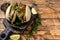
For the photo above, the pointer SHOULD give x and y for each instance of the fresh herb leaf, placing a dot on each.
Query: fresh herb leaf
(20, 15)
(17, 24)
(37, 21)
(15, 7)
(27, 37)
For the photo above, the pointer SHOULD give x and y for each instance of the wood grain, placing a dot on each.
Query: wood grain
(49, 11)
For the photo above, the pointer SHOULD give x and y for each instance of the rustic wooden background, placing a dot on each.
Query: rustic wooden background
(49, 11)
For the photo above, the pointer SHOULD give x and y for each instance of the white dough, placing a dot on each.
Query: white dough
(7, 12)
(28, 13)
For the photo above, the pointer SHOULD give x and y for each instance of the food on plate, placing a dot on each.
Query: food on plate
(7, 12)
(18, 12)
(27, 13)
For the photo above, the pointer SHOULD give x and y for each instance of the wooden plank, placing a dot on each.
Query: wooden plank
(2, 15)
(2, 26)
(1, 20)
(47, 22)
(48, 10)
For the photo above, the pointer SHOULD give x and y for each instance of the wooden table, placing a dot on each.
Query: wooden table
(49, 11)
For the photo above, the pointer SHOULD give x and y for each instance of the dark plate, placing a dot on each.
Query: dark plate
(9, 28)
